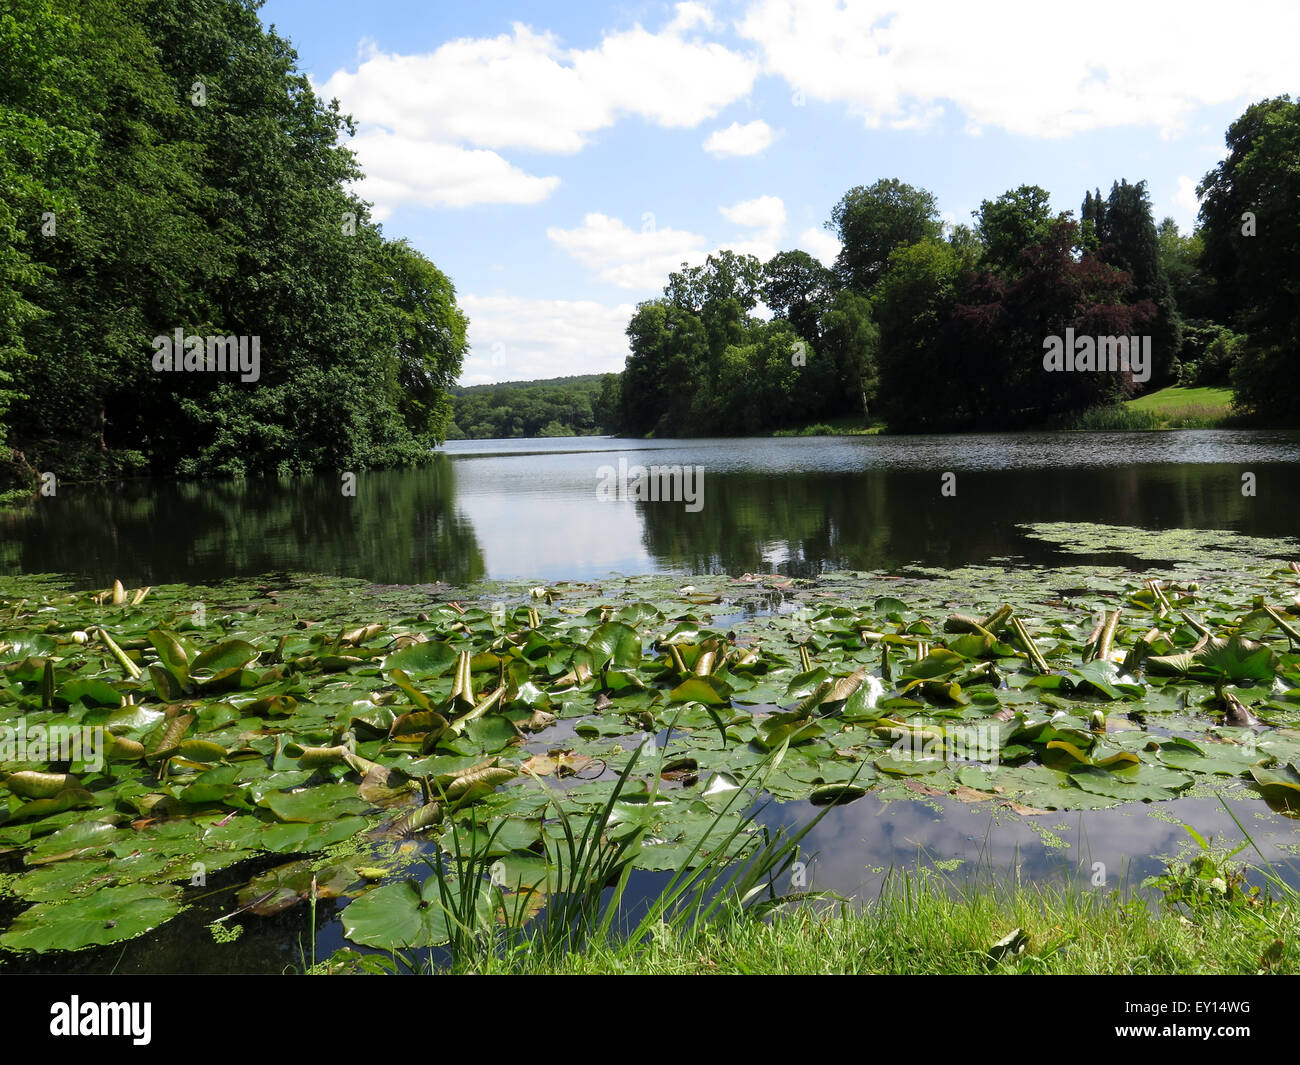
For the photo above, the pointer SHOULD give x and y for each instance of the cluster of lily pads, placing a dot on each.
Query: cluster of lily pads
(350, 729)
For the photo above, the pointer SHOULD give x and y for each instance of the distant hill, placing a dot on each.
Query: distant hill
(582, 405)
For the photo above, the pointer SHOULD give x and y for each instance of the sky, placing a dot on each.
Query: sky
(557, 161)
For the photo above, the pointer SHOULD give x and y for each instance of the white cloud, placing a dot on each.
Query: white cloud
(1186, 197)
(514, 339)
(821, 244)
(642, 259)
(1185, 204)
(626, 257)
(749, 139)
(440, 175)
(1031, 68)
(524, 90)
(689, 15)
(766, 214)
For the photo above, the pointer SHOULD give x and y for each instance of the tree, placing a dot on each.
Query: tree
(798, 288)
(1127, 239)
(39, 152)
(912, 304)
(754, 387)
(192, 180)
(1091, 220)
(851, 344)
(605, 407)
(721, 293)
(1015, 221)
(1251, 231)
(963, 351)
(1181, 258)
(966, 243)
(669, 350)
(724, 277)
(1057, 291)
(430, 332)
(873, 221)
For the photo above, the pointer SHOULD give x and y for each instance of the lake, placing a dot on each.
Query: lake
(530, 508)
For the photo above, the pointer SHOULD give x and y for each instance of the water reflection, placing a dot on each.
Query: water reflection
(400, 527)
(529, 509)
(852, 849)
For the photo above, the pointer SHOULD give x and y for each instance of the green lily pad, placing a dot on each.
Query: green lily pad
(108, 916)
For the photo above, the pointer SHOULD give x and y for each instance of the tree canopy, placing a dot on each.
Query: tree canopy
(936, 327)
(165, 167)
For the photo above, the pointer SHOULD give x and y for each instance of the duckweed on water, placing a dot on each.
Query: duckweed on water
(333, 722)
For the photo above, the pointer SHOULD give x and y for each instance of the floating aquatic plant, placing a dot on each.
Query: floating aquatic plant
(337, 724)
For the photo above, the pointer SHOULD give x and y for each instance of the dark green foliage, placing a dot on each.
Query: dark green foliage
(1011, 224)
(965, 351)
(1127, 239)
(1251, 232)
(798, 288)
(913, 302)
(875, 220)
(702, 365)
(1209, 353)
(1182, 258)
(562, 406)
(851, 343)
(197, 183)
(1092, 217)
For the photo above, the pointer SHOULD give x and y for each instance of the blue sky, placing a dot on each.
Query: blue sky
(557, 160)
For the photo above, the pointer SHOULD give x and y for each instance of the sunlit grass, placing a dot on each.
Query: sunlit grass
(918, 925)
(1210, 401)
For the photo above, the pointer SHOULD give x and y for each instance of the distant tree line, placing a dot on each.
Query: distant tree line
(930, 327)
(164, 165)
(559, 406)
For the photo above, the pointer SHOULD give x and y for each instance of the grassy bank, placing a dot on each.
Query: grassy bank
(1173, 400)
(1168, 408)
(929, 935)
(919, 925)
(848, 425)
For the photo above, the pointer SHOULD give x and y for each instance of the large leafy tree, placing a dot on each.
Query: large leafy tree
(1008, 226)
(963, 351)
(430, 335)
(1059, 290)
(39, 149)
(669, 353)
(873, 221)
(1126, 239)
(799, 289)
(912, 306)
(851, 345)
(1251, 233)
(721, 293)
(1182, 257)
(197, 183)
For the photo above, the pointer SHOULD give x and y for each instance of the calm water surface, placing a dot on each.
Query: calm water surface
(530, 508)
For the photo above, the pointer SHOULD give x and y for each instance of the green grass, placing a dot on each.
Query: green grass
(919, 928)
(1168, 400)
(919, 925)
(1208, 919)
(1185, 408)
(1169, 408)
(846, 425)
